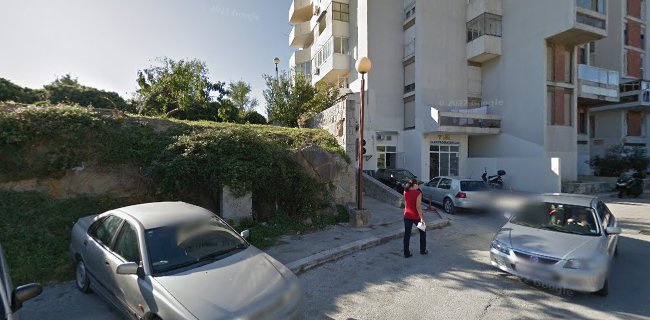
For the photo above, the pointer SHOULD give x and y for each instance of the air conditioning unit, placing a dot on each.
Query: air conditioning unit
(380, 137)
(389, 138)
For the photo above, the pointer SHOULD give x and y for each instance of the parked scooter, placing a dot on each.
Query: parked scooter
(629, 185)
(495, 182)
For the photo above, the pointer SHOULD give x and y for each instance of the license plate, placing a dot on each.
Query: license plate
(534, 272)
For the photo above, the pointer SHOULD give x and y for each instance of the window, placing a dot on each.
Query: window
(341, 45)
(434, 182)
(386, 157)
(559, 63)
(593, 5)
(445, 184)
(485, 24)
(104, 230)
(559, 101)
(625, 35)
(126, 244)
(582, 55)
(340, 11)
(592, 127)
(634, 122)
(443, 160)
(582, 121)
(322, 25)
(409, 114)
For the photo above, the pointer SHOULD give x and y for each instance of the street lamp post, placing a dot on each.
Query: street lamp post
(277, 62)
(363, 66)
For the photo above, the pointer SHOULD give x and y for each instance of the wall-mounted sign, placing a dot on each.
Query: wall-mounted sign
(445, 142)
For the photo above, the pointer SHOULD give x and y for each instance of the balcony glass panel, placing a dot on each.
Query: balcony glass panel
(598, 75)
(409, 10)
(590, 21)
(593, 5)
(485, 24)
(469, 122)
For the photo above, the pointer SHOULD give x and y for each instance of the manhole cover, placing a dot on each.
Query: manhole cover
(646, 232)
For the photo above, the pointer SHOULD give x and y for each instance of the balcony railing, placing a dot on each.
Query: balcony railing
(485, 24)
(598, 75)
(467, 120)
(642, 87)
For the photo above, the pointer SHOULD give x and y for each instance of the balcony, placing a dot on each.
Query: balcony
(476, 8)
(597, 85)
(334, 67)
(590, 23)
(634, 93)
(484, 38)
(300, 56)
(409, 49)
(409, 12)
(301, 36)
(301, 11)
(473, 121)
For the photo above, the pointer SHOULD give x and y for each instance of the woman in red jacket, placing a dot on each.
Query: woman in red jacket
(413, 215)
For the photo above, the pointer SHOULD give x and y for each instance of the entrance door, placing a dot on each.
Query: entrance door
(444, 160)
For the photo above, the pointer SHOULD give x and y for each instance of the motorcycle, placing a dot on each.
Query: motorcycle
(629, 185)
(495, 182)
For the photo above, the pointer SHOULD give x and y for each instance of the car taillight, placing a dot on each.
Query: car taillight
(461, 195)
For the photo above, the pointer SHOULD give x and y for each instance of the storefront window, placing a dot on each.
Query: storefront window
(444, 160)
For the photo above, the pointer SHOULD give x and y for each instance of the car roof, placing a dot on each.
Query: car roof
(569, 198)
(458, 178)
(159, 214)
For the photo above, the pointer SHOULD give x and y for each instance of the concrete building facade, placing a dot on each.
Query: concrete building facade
(459, 87)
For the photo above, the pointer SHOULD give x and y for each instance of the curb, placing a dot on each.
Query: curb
(333, 254)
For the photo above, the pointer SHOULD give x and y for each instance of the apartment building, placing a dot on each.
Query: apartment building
(458, 87)
(621, 56)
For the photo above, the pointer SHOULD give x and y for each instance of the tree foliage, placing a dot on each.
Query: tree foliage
(239, 92)
(63, 90)
(618, 159)
(179, 89)
(291, 98)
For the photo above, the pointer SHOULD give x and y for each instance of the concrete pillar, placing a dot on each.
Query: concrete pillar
(236, 209)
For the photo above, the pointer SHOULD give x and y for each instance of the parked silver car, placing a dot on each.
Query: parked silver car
(564, 241)
(11, 300)
(452, 193)
(173, 260)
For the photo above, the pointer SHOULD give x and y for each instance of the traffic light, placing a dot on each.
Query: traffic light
(363, 143)
(356, 145)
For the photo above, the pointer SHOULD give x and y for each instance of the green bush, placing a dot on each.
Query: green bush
(618, 159)
(193, 160)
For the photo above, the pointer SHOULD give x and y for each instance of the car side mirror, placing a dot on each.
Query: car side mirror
(246, 234)
(127, 268)
(24, 293)
(613, 230)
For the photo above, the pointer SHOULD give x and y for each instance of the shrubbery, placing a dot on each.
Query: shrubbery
(192, 158)
(619, 159)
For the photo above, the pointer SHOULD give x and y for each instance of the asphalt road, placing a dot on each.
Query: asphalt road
(455, 281)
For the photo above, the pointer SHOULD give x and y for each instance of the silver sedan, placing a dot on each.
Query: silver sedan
(562, 241)
(172, 260)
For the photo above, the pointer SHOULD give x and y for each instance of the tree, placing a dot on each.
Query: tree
(253, 117)
(68, 90)
(179, 89)
(239, 93)
(290, 99)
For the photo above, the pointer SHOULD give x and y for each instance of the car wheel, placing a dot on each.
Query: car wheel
(81, 277)
(448, 206)
(604, 291)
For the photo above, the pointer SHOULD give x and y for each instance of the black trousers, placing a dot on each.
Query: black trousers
(408, 225)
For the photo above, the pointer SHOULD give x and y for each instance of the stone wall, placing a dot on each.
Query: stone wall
(330, 169)
(340, 121)
(375, 189)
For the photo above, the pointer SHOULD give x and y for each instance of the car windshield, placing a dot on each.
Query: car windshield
(191, 244)
(472, 186)
(558, 217)
(403, 174)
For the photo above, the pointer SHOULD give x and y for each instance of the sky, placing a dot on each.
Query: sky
(104, 43)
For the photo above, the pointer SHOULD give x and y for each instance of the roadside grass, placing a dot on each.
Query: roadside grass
(35, 233)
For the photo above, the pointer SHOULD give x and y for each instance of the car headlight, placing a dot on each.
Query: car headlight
(501, 247)
(577, 264)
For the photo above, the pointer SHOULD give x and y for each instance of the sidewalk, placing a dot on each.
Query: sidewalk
(303, 252)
